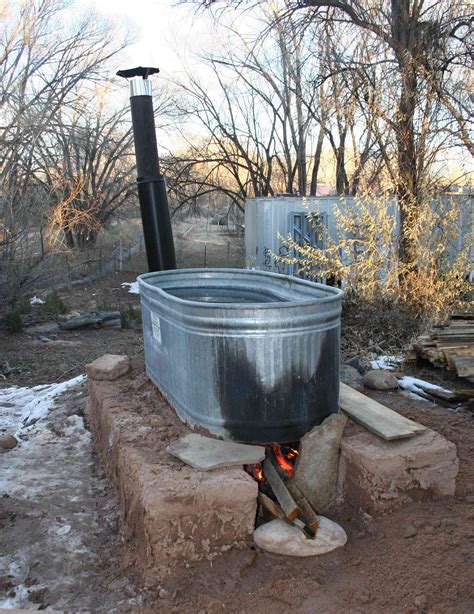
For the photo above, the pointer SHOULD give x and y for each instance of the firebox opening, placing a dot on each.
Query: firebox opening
(279, 496)
(284, 457)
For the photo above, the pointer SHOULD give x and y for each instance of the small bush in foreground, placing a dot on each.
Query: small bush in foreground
(14, 321)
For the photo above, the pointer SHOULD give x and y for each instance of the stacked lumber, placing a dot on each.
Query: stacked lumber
(450, 344)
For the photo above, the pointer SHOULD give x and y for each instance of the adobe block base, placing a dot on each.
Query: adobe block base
(378, 476)
(171, 512)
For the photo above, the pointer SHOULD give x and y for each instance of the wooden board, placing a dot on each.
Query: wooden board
(375, 417)
(464, 366)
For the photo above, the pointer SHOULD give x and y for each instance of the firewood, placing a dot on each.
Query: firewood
(308, 514)
(273, 508)
(288, 505)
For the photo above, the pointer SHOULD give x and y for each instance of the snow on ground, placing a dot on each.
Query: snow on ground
(50, 530)
(22, 407)
(417, 385)
(133, 287)
(388, 363)
(36, 301)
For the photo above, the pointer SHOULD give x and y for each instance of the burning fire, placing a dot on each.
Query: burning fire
(256, 471)
(285, 456)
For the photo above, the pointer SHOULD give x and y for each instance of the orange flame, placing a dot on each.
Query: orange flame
(284, 460)
(256, 471)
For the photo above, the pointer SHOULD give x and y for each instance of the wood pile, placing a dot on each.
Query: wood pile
(450, 345)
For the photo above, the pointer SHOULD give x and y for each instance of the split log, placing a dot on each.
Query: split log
(273, 508)
(284, 498)
(307, 514)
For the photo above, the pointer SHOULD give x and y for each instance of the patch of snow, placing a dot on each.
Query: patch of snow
(412, 395)
(21, 407)
(388, 363)
(417, 386)
(36, 301)
(133, 287)
(17, 571)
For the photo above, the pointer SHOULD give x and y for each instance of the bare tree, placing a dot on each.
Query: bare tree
(421, 66)
(86, 167)
(44, 56)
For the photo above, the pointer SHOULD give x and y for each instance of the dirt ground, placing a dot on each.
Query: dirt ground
(60, 545)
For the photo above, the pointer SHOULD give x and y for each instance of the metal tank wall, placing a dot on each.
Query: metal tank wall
(248, 355)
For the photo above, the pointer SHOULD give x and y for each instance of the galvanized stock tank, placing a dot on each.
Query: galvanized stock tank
(249, 355)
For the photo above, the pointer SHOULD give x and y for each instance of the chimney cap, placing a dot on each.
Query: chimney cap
(139, 71)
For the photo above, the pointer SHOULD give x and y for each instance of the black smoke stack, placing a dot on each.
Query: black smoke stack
(151, 183)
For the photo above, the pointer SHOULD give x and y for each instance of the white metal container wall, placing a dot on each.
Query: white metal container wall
(266, 217)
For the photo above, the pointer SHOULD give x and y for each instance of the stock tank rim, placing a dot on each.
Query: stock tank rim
(335, 294)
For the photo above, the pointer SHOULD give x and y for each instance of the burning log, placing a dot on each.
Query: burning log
(284, 498)
(283, 469)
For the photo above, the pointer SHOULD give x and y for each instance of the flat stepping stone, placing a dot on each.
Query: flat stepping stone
(204, 453)
(281, 538)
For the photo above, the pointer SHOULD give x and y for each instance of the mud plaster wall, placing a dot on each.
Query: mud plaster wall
(378, 476)
(171, 512)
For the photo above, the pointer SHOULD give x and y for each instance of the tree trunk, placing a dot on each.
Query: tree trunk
(316, 163)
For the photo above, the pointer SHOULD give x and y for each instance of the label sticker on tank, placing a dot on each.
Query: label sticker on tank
(156, 327)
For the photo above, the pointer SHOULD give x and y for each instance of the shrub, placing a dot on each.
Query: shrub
(14, 321)
(54, 305)
(364, 256)
(130, 316)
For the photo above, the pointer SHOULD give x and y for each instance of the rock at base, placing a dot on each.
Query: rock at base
(204, 453)
(8, 442)
(379, 379)
(317, 462)
(281, 538)
(351, 376)
(108, 367)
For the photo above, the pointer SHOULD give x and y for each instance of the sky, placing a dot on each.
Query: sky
(162, 29)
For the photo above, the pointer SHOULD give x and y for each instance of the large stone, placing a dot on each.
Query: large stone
(378, 476)
(108, 367)
(204, 453)
(351, 376)
(379, 379)
(281, 538)
(8, 442)
(316, 467)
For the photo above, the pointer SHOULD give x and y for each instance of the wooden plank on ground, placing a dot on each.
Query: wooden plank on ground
(375, 417)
